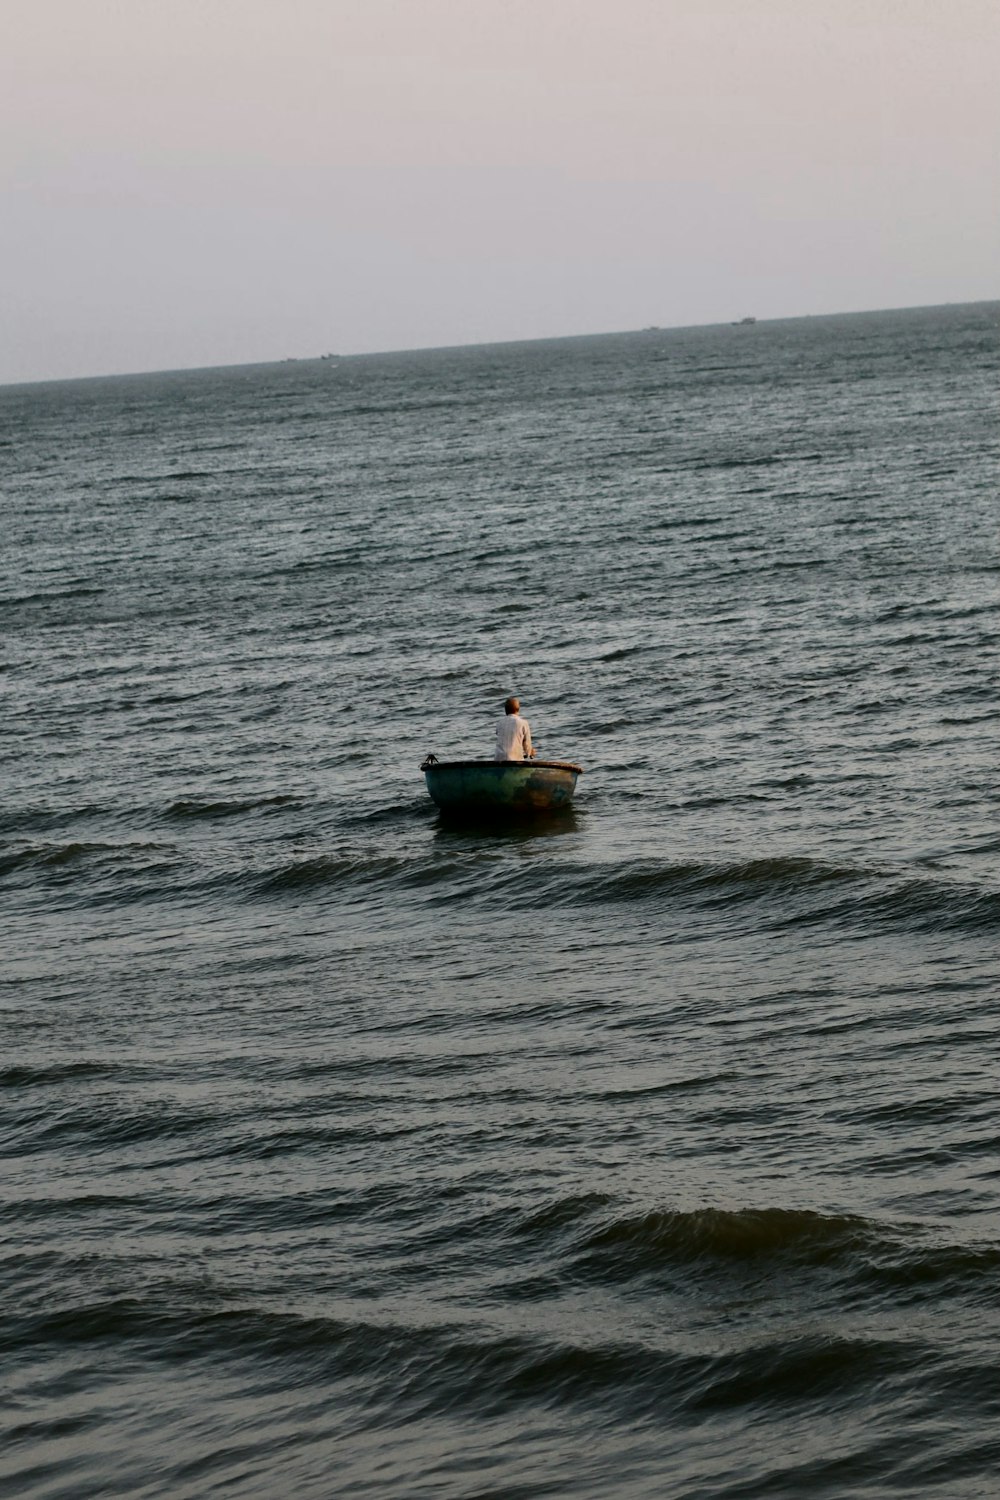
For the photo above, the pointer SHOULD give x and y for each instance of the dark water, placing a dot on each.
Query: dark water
(653, 1153)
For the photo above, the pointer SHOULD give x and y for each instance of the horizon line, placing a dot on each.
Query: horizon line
(552, 338)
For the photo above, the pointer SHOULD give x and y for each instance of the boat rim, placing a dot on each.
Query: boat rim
(505, 765)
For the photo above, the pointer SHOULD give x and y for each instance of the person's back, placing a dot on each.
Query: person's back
(513, 734)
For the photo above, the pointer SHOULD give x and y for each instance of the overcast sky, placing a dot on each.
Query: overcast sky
(192, 182)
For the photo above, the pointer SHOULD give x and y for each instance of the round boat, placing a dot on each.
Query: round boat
(492, 788)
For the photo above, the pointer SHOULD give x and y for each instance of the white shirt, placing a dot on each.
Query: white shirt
(513, 738)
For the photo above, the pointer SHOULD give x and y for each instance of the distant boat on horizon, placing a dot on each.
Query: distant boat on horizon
(740, 322)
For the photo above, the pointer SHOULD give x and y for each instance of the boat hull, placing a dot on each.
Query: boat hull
(501, 788)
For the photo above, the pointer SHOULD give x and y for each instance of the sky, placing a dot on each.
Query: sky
(209, 182)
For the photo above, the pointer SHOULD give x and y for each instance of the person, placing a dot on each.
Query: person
(513, 734)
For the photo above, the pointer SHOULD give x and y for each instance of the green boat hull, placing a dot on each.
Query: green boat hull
(501, 788)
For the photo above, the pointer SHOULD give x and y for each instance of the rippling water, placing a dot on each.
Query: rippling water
(651, 1152)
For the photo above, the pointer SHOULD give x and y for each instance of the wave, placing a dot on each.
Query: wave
(927, 905)
(345, 871)
(638, 1314)
(433, 1367)
(17, 820)
(749, 461)
(645, 880)
(52, 596)
(111, 1127)
(473, 866)
(690, 523)
(54, 856)
(42, 1076)
(631, 1244)
(588, 1238)
(392, 408)
(790, 889)
(393, 814)
(182, 476)
(327, 870)
(877, 1259)
(389, 1370)
(221, 807)
(560, 885)
(786, 890)
(621, 652)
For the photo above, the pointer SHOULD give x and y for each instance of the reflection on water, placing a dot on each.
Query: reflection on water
(451, 829)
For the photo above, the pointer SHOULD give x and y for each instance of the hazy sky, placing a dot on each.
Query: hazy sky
(190, 182)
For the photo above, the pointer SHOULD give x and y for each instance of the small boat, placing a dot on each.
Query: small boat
(500, 788)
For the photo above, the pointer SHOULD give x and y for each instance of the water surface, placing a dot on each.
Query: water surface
(652, 1152)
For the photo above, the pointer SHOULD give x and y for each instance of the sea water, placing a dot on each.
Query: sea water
(649, 1152)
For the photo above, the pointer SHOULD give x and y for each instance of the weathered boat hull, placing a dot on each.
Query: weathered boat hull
(501, 788)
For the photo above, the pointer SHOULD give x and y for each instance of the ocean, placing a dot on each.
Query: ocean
(652, 1151)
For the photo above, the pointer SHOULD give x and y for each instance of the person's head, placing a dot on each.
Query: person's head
(512, 706)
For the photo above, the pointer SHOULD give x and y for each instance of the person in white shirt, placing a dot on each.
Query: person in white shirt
(513, 734)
